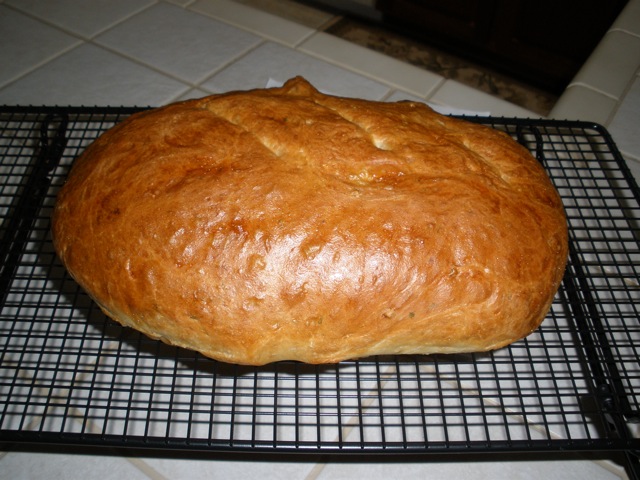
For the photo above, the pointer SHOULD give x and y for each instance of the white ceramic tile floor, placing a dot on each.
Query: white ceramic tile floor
(579, 102)
(237, 468)
(68, 465)
(279, 62)
(262, 23)
(626, 122)
(184, 44)
(614, 61)
(604, 89)
(292, 10)
(372, 64)
(458, 95)
(512, 470)
(629, 21)
(91, 75)
(84, 18)
(27, 43)
(147, 52)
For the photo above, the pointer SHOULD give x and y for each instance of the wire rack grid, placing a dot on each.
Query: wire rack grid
(70, 375)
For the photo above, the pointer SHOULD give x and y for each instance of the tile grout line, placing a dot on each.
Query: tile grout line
(137, 462)
(41, 64)
(474, 85)
(179, 4)
(89, 426)
(81, 36)
(187, 83)
(262, 39)
(632, 80)
(297, 46)
(323, 27)
(320, 28)
(316, 471)
(81, 40)
(431, 93)
(625, 31)
(191, 7)
(387, 82)
(230, 62)
(93, 40)
(593, 89)
(124, 19)
(40, 418)
(145, 468)
(607, 465)
(348, 427)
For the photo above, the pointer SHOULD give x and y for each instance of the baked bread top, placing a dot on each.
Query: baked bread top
(285, 224)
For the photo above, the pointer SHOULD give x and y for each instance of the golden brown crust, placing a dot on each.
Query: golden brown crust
(284, 224)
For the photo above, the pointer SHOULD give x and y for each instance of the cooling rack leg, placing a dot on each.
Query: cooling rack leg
(52, 143)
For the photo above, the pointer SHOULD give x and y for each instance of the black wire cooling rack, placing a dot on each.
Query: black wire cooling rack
(69, 375)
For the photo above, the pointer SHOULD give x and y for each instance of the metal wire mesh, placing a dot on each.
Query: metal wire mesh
(68, 374)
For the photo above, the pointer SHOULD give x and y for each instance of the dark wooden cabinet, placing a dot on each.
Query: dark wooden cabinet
(543, 42)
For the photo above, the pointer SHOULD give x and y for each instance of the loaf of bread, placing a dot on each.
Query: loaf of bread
(286, 224)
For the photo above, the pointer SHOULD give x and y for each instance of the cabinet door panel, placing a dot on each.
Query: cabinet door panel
(542, 41)
(465, 20)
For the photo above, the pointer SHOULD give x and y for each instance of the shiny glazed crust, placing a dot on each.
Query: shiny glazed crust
(285, 224)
